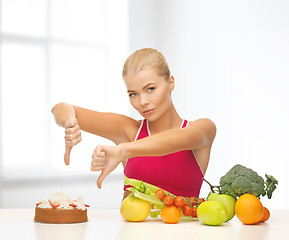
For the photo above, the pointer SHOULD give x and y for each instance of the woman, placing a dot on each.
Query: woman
(163, 149)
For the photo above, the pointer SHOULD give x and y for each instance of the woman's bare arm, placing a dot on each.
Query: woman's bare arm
(199, 134)
(115, 127)
(62, 112)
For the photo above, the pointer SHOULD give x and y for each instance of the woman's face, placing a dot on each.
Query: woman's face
(149, 93)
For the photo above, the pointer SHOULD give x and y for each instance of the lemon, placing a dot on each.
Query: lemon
(135, 210)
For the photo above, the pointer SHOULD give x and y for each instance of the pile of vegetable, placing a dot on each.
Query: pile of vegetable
(239, 192)
(171, 208)
(240, 180)
(247, 187)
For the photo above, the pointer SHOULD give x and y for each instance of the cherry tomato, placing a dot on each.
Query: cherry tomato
(187, 203)
(200, 200)
(187, 210)
(160, 194)
(193, 201)
(168, 200)
(179, 201)
(194, 212)
(190, 201)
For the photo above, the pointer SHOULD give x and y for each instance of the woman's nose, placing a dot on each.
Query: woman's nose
(143, 99)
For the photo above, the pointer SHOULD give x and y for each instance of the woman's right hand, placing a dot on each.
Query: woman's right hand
(72, 137)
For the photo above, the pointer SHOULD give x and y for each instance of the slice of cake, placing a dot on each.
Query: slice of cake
(60, 208)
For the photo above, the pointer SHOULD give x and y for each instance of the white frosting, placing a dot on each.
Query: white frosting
(44, 204)
(64, 201)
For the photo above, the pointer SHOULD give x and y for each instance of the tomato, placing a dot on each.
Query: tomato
(187, 210)
(187, 203)
(168, 200)
(194, 201)
(160, 194)
(200, 200)
(191, 201)
(194, 212)
(179, 201)
(266, 215)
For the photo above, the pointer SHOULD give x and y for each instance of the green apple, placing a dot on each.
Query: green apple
(227, 200)
(212, 213)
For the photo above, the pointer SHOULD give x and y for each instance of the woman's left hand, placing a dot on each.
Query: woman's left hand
(105, 159)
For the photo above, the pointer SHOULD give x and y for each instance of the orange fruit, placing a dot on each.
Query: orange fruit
(266, 215)
(171, 214)
(249, 209)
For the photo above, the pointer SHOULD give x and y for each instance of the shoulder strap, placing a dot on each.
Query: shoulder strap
(142, 131)
(185, 123)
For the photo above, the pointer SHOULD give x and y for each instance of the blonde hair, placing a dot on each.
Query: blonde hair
(146, 58)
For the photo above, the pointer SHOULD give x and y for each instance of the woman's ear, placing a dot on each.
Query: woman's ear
(172, 83)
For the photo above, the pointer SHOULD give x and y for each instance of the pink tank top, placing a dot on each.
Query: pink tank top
(178, 173)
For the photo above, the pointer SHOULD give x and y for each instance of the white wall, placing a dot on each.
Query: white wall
(26, 193)
(230, 61)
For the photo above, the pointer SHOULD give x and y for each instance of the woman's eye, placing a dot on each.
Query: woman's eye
(151, 89)
(132, 94)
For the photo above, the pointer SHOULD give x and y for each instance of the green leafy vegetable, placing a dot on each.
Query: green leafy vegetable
(270, 183)
(155, 214)
(146, 191)
(142, 186)
(240, 180)
(147, 197)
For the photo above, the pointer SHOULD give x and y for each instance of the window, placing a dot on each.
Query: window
(53, 51)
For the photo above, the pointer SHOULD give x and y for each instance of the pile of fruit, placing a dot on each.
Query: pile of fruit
(238, 194)
(175, 207)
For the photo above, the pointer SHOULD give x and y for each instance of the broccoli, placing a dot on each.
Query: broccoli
(240, 180)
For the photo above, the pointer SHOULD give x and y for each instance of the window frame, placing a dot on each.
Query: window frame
(7, 174)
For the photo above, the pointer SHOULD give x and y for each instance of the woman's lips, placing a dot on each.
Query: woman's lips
(149, 111)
